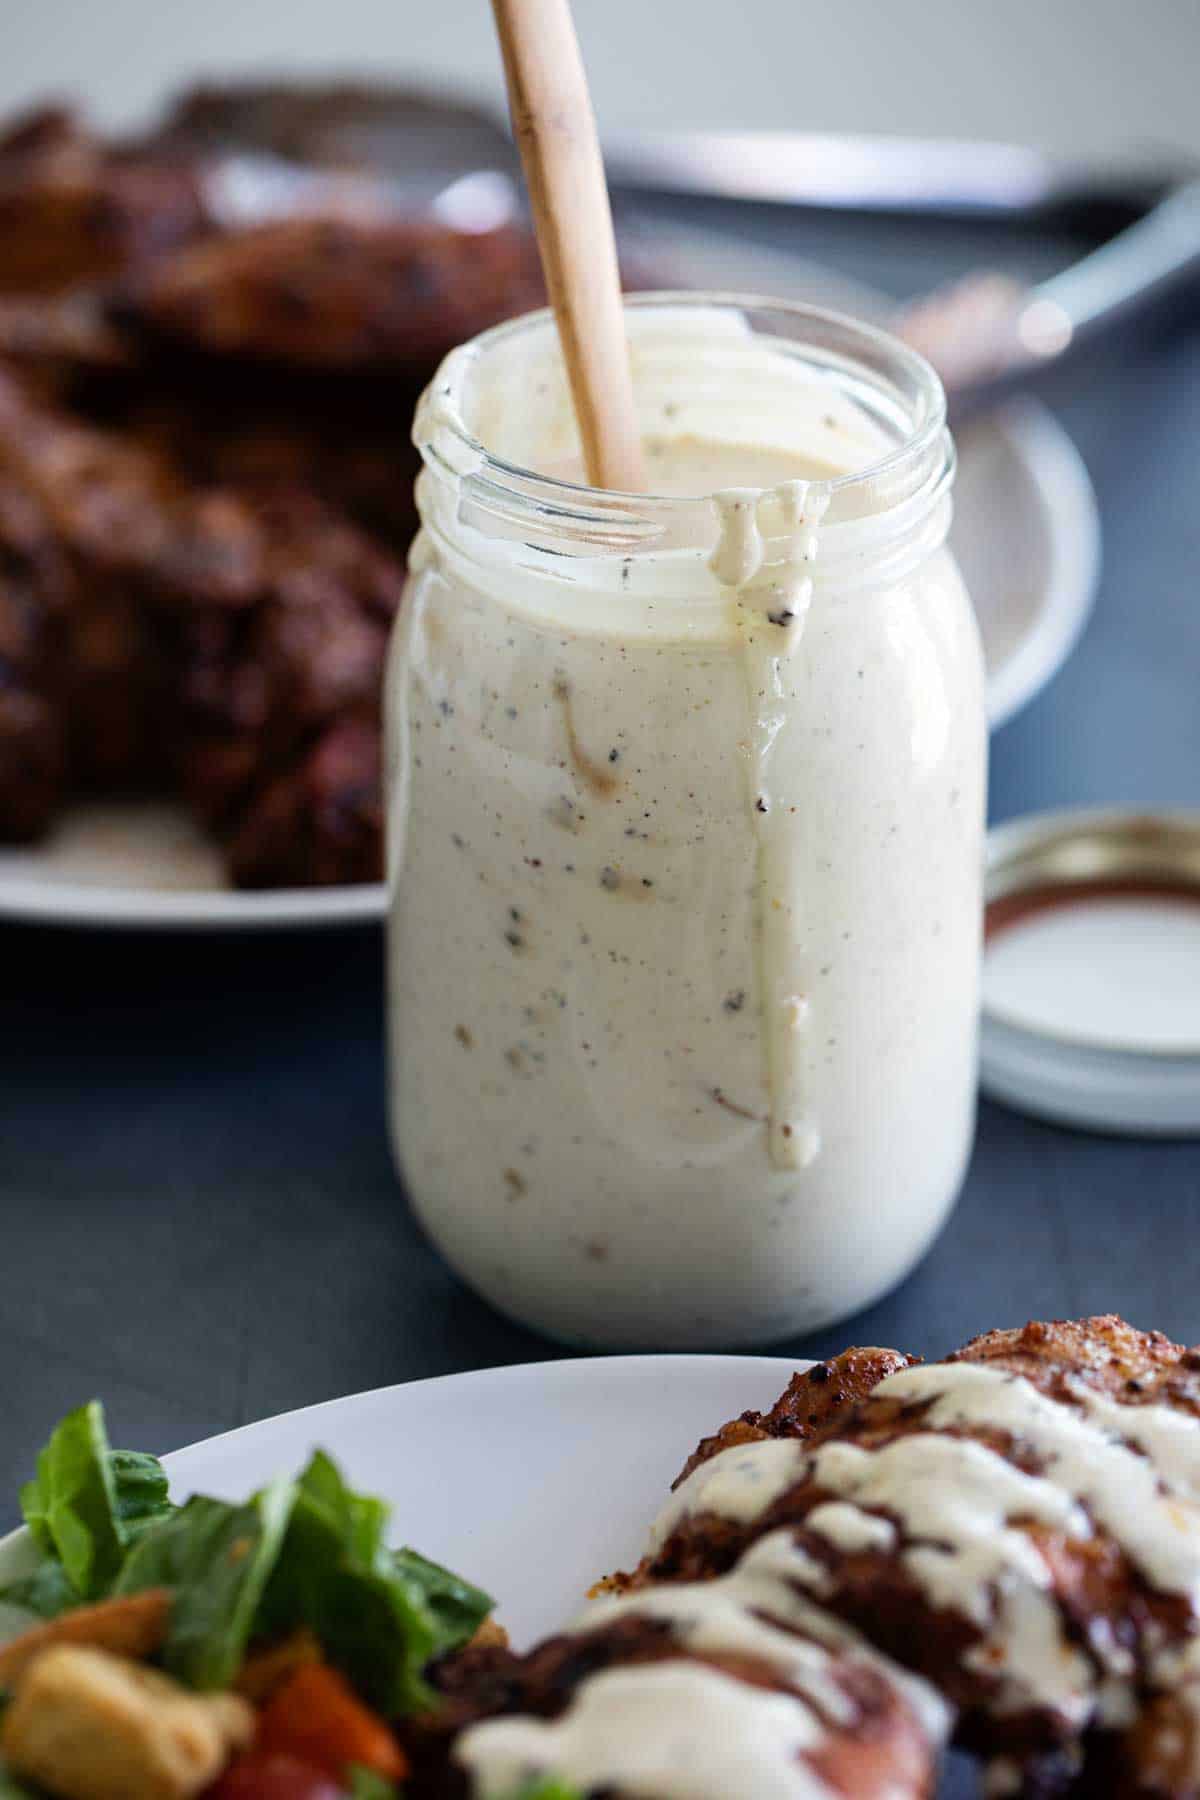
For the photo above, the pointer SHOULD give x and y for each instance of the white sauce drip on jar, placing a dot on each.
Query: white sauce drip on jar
(771, 595)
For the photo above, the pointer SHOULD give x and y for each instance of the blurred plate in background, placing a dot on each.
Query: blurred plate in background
(1025, 533)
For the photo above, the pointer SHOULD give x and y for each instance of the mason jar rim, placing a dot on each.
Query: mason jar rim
(867, 350)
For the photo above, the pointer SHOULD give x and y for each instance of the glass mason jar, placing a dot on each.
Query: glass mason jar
(685, 819)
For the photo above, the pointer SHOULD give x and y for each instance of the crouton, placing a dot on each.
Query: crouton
(134, 1625)
(87, 1725)
(489, 1636)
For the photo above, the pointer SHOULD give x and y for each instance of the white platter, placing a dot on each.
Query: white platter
(1025, 532)
(532, 1481)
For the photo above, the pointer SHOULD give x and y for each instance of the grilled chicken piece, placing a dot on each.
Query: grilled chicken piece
(373, 296)
(357, 454)
(210, 428)
(106, 505)
(72, 210)
(1020, 1525)
(230, 642)
(35, 593)
(734, 1682)
(810, 1407)
(1017, 1528)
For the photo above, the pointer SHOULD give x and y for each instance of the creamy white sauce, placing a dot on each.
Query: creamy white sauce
(954, 1500)
(669, 1731)
(755, 1611)
(758, 1610)
(780, 1557)
(684, 918)
(1085, 1458)
(719, 1617)
(851, 1529)
(740, 1483)
(1178, 1671)
(1168, 1436)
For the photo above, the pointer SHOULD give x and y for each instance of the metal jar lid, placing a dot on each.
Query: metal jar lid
(1091, 978)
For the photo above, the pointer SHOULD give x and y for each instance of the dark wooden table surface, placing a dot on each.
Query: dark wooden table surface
(199, 1217)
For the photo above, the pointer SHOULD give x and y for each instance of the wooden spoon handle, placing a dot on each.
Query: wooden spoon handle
(555, 130)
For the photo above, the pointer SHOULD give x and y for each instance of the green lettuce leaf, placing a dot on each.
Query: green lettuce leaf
(70, 1505)
(335, 1576)
(359, 1519)
(309, 1552)
(457, 1608)
(84, 1508)
(547, 1787)
(365, 1784)
(12, 1789)
(218, 1558)
(140, 1483)
(46, 1591)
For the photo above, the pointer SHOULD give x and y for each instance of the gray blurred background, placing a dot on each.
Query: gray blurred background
(1090, 75)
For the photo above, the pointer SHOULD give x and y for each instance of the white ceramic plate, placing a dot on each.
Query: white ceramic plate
(1025, 533)
(532, 1481)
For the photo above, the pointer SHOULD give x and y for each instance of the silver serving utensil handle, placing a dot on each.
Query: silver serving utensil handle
(1138, 264)
(989, 334)
(255, 188)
